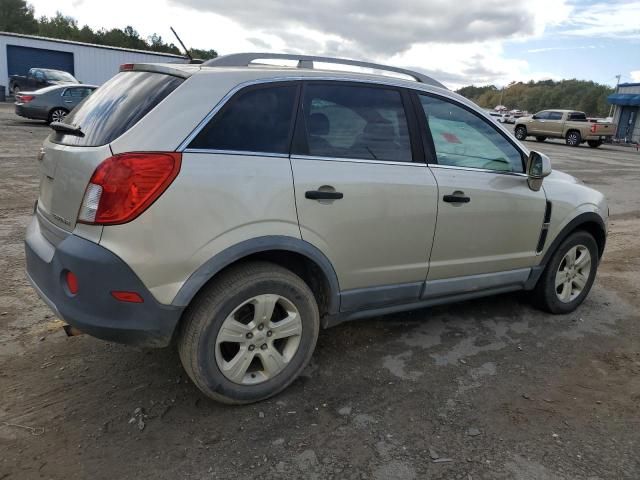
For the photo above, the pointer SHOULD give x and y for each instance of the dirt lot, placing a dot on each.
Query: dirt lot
(488, 389)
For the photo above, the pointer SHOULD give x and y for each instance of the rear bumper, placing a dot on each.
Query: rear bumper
(28, 112)
(93, 310)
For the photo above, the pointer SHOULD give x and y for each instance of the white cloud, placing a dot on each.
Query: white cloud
(606, 19)
(458, 42)
(635, 75)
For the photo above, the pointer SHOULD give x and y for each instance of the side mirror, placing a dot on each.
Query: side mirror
(538, 167)
(535, 117)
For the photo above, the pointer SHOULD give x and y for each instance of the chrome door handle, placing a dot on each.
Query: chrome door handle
(457, 197)
(322, 195)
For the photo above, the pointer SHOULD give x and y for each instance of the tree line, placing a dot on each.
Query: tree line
(586, 96)
(18, 16)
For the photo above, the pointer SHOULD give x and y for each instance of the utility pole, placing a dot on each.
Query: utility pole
(616, 91)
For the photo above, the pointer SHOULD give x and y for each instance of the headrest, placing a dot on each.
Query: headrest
(382, 131)
(318, 124)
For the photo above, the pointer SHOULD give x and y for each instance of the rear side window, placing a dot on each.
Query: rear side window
(354, 121)
(555, 116)
(116, 107)
(77, 92)
(258, 119)
(578, 116)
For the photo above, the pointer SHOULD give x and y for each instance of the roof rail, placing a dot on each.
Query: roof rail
(306, 61)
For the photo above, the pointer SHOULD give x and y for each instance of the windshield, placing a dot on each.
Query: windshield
(59, 76)
(115, 107)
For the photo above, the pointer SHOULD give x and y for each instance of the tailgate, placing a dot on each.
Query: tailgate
(605, 128)
(65, 172)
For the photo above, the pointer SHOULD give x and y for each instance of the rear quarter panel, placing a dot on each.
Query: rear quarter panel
(217, 201)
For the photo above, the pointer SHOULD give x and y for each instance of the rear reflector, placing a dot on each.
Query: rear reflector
(72, 282)
(124, 186)
(131, 297)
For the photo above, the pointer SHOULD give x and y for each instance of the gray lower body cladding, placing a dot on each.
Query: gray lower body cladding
(93, 310)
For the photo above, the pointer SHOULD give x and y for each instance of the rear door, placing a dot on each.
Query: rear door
(72, 96)
(67, 161)
(489, 221)
(364, 195)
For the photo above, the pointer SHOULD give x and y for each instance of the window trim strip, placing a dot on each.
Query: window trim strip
(298, 156)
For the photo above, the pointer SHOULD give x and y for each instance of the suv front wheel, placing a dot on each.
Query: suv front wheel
(569, 274)
(250, 333)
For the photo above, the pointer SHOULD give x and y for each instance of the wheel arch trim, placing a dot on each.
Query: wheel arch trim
(574, 224)
(237, 252)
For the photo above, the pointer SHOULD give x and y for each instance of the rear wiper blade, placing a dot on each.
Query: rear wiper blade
(67, 129)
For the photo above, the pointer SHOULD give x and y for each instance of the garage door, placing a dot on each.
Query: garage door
(21, 59)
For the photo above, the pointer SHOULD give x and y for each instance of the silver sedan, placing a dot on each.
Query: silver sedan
(51, 104)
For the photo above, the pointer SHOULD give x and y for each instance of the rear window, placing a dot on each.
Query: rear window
(116, 107)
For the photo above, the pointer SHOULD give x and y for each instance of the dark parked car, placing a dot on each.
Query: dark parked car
(39, 78)
(51, 103)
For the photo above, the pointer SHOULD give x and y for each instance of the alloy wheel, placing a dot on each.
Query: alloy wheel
(573, 273)
(58, 115)
(258, 339)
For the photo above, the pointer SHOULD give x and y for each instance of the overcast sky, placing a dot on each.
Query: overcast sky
(460, 42)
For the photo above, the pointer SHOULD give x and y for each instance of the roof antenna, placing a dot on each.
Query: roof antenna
(186, 50)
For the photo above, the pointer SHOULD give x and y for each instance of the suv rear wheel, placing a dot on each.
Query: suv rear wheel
(569, 274)
(250, 333)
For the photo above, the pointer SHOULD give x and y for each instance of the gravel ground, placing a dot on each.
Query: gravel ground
(487, 389)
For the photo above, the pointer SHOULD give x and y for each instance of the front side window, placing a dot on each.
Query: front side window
(355, 121)
(463, 139)
(255, 120)
(542, 116)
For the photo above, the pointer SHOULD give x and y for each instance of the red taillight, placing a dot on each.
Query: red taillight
(131, 297)
(72, 282)
(24, 98)
(125, 185)
(126, 67)
(593, 128)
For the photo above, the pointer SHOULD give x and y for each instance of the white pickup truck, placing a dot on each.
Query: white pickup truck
(571, 125)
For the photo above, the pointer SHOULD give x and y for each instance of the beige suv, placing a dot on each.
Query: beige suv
(236, 209)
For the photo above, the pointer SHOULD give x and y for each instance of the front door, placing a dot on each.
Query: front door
(489, 221)
(539, 123)
(361, 197)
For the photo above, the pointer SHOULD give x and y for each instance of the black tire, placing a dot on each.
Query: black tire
(544, 294)
(541, 139)
(56, 113)
(521, 132)
(573, 138)
(206, 314)
(594, 143)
